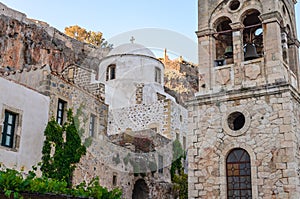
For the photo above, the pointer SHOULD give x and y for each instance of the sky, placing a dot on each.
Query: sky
(118, 20)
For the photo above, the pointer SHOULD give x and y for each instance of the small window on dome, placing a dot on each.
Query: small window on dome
(157, 75)
(111, 72)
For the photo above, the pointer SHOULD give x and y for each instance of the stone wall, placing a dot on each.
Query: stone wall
(270, 135)
(140, 117)
(179, 123)
(106, 158)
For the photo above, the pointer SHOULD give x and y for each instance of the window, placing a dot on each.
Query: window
(92, 125)
(111, 72)
(157, 75)
(9, 126)
(114, 179)
(238, 174)
(60, 111)
(160, 164)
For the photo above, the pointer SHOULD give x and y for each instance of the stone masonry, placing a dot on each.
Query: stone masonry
(247, 101)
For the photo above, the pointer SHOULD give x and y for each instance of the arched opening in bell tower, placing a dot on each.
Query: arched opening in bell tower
(224, 43)
(252, 35)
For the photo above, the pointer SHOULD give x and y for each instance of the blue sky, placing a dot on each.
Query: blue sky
(115, 17)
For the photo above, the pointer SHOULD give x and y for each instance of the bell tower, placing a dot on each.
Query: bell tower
(244, 130)
(235, 34)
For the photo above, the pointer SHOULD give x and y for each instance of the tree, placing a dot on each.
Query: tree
(90, 37)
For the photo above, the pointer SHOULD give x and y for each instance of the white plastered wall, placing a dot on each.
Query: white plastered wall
(33, 109)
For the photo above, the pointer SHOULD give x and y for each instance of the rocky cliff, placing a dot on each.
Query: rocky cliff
(181, 79)
(25, 42)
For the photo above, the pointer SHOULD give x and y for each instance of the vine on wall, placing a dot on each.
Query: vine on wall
(178, 177)
(62, 150)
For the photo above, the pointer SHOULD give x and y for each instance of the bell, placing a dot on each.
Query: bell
(228, 52)
(250, 52)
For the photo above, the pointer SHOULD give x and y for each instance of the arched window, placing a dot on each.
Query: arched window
(238, 169)
(111, 72)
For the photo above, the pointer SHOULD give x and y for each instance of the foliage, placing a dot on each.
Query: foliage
(62, 150)
(178, 177)
(88, 142)
(91, 37)
(181, 185)
(13, 184)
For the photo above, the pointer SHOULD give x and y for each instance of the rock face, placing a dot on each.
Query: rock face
(181, 79)
(25, 42)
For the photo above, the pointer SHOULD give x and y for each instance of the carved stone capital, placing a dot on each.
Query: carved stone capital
(271, 17)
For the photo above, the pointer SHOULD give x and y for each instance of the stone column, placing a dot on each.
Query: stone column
(274, 68)
(238, 52)
(206, 55)
(293, 59)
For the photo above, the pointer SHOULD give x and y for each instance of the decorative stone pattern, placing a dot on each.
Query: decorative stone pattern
(139, 117)
(223, 76)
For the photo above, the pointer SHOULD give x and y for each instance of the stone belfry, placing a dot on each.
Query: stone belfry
(244, 137)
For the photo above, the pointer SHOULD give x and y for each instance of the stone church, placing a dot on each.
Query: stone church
(240, 130)
(244, 121)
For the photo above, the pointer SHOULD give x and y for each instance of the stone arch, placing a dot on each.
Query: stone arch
(216, 14)
(252, 34)
(223, 39)
(287, 18)
(223, 155)
(216, 18)
(140, 190)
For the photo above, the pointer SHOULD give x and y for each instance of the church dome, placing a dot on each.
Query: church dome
(131, 48)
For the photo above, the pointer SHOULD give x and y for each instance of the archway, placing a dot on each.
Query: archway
(140, 190)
